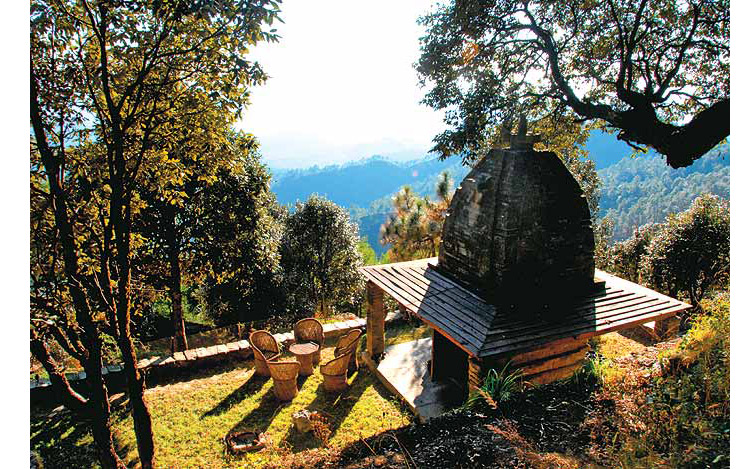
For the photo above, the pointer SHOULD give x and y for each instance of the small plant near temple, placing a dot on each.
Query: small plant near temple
(496, 389)
(595, 371)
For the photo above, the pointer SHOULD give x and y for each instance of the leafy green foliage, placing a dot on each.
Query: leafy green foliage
(368, 254)
(603, 232)
(625, 257)
(690, 254)
(235, 244)
(320, 259)
(640, 67)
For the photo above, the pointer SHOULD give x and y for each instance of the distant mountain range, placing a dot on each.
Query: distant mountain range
(635, 190)
(357, 184)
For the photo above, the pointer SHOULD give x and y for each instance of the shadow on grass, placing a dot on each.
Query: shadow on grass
(262, 416)
(64, 441)
(192, 373)
(639, 335)
(250, 387)
(336, 405)
(56, 436)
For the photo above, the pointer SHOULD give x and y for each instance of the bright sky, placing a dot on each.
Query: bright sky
(342, 85)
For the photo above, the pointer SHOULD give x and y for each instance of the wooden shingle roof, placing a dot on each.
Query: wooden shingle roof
(483, 331)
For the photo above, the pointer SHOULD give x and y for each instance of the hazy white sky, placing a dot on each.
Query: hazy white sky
(342, 85)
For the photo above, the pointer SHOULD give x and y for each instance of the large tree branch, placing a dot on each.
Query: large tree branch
(680, 57)
(73, 400)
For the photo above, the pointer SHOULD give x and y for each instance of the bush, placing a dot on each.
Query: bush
(690, 253)
(321, 258)
(625, 257)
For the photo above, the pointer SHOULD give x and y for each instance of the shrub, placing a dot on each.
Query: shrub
(320, 259)
(625, 257)
(690, 254)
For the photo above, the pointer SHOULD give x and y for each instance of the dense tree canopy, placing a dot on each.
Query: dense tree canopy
(690, 253)
(235, 238)
(655, 71)
(320, 258)
(110, 86)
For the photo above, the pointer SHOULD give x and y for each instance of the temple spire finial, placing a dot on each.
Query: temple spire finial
(522, 130)
(522, 141)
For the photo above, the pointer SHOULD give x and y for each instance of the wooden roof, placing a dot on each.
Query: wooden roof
(482, 331)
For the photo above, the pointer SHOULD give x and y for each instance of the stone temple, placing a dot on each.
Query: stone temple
(514, 286)
(518, 230)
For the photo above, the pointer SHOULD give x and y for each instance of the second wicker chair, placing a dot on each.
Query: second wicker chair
(348, 343)
(310, 330)
(265, 349)
(334, 373)
(284, 375)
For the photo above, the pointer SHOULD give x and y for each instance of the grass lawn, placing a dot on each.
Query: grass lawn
(191, 415)
(403, 331)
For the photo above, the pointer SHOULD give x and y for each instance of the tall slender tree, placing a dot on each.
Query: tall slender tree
(106, 81)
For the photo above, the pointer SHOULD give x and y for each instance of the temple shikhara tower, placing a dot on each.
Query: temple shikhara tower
(518, 230)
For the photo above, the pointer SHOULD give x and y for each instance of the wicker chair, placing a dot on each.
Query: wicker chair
(265, 350)
(334, 373)
(310, 330)
(348, 343)
(284, 375)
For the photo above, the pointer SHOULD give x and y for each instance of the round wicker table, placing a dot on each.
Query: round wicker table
(304, 354)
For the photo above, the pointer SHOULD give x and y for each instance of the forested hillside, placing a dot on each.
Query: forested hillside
(642, 190)
(636, 190)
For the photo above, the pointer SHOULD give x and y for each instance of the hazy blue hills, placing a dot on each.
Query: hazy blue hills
(359, 183)
(635, 191)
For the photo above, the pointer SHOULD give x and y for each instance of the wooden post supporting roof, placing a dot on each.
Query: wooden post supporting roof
(474, 374)
(375, 321)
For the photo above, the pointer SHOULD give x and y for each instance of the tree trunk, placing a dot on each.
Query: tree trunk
(98, 410)
(120, 212)
(103, 441)
(95, 410)
(139, 411)
(174, 286)
(99, 417)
